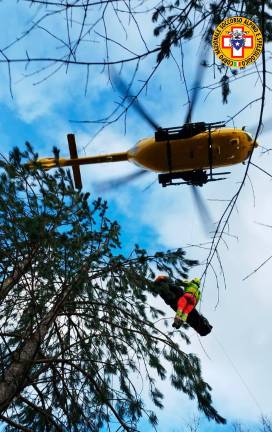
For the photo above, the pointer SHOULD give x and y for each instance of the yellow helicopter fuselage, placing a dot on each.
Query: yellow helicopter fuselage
(229, 146)
(215, 148)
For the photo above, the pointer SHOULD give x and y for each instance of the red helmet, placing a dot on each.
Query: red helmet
(161, 278)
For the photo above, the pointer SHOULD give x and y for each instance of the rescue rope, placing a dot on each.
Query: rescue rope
(250, 393)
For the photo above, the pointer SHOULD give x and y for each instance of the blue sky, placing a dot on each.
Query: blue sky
(165, 218)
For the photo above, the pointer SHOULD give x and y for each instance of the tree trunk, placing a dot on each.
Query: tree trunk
(15, 377)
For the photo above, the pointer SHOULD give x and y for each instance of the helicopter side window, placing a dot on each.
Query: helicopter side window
(235, 142)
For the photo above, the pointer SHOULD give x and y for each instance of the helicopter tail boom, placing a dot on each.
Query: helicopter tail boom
(48, 163)
(75, 161)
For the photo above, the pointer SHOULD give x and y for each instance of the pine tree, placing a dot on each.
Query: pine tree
(77, 327)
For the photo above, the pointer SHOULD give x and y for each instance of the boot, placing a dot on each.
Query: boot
(179, 318)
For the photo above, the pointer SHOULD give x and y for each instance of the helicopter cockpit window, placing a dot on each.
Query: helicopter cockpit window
(249, 137)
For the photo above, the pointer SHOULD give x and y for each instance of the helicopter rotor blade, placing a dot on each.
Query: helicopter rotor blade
(196, 88)
(265, 127)
(123, 88)
(203, 211)
(107, 185)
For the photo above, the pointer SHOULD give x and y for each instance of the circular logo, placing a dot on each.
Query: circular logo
(237, 42)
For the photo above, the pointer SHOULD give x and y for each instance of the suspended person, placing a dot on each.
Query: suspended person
(184, 302)
(188, 301)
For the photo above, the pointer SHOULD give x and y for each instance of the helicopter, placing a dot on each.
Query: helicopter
(186, 154)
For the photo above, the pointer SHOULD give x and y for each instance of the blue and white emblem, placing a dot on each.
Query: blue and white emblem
(237, 39)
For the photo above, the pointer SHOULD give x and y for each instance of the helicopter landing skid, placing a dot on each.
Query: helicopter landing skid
(193, 178)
